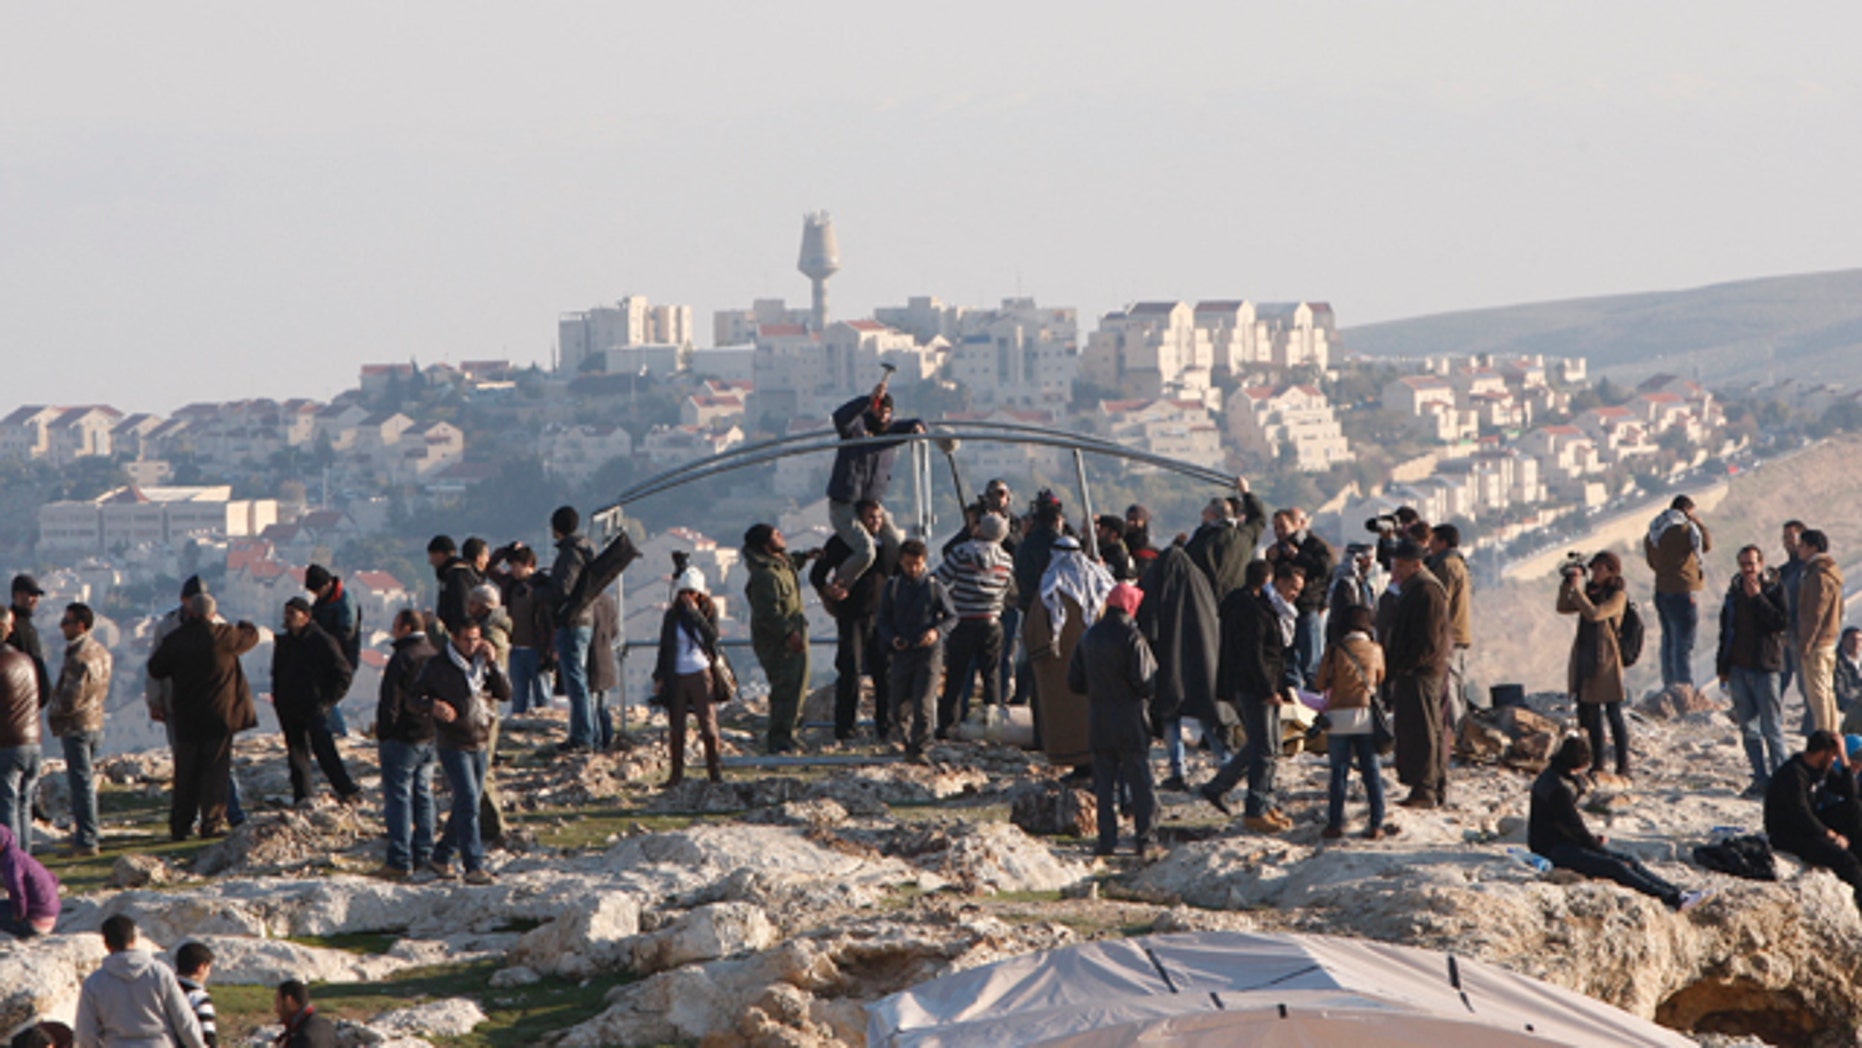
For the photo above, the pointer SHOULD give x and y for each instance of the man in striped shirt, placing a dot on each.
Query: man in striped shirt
(193, 964)
(977, 574)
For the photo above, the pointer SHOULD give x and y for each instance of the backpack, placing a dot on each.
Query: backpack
(1629, 634)
(1749, 856)
(598, 574)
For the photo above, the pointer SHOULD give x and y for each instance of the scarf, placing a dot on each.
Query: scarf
(1289, 616)
(1070, 574)
(1673, 518)
(474, 671)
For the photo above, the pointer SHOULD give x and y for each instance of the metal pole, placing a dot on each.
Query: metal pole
(918, 492)
(1089, 535)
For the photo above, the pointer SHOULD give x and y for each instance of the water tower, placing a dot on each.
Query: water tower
(820, 260)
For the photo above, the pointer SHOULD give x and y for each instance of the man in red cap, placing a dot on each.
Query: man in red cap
(1113, 665)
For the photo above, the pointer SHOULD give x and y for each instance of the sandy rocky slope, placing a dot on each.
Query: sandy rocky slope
(796, 899)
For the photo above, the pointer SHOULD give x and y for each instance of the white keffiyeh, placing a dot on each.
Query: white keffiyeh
(1673, 518)
(1070, 574)
(474, 670)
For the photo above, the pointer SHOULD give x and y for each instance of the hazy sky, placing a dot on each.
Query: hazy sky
(207, 201)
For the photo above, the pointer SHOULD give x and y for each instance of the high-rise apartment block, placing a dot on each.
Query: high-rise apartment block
(632, 321)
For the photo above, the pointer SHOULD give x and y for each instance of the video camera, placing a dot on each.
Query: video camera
(1385, 524)
(1575, 564)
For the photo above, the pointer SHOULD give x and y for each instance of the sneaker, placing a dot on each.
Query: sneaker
(1332, 833)
(1282, 818)
(1263, 824)
(1689, 900)
(1209, 793)
(386, 872)
(443, 870)
(480, 877)
(1174, 784)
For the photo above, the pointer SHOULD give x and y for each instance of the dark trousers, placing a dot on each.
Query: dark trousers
(202, 769)
(1615, 866)
(1133, 768)
(691, 694)
(859, 652)
(1258, 758)
(1845, 818)
(1591, 716)
(307, 733)
(1421, 749)
(913, 686)
(975, 645)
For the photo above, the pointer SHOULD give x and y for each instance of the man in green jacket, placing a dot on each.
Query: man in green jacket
(778, 628)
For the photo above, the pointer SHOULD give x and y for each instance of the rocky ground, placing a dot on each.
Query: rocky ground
(768, 909)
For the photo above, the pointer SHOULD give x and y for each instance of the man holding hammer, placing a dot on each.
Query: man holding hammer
(862, 474)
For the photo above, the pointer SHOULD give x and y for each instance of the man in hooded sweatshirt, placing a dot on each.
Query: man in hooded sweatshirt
(133, 1000)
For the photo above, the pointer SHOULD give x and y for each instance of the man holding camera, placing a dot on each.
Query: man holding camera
(1673, 547)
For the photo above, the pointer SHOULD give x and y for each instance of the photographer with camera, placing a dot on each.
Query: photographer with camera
(1594, 592)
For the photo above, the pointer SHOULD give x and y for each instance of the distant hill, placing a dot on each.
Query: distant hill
(1811, 325)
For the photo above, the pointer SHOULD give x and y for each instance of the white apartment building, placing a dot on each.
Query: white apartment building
(728, 363)
(1021, 355)
(1297, 421)
(925, 318)
(1434, 401)
(632, 321)
(576, 452)
(666, 447)
(1179, 429)
(1152, 350)
(59, 435)
(131, 516)
(736, 327)
(1296, 334)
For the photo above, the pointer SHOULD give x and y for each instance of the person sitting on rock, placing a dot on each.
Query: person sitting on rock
(1811, 810)
(31, 891)
(1555, 829)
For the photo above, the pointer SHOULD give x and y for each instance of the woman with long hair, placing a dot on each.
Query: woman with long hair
(1595, 675)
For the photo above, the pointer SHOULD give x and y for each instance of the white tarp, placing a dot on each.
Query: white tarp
(1237, 989)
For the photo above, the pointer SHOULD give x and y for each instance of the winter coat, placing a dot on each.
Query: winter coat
(83, 687)
(1848, 682)
(396, 719)
(701, 623)
(30, 887)
(1349, 590)
(573, 552)
(864, 473)
(19, 699)
(1350, 685)
(210, 696)
(1553, 818)
(456, 578)
(1118, 561)
(1113, 667)
(862, 600)
(1223, 550)
(1752, 629)
(1595, 671)
(1797, 792)
(527, 602)
(1253, 656)
(495, 626)
(309, 673)
(604, 666)
(1179, 618)
(158, 693)
(1819, 604)
(442, 681)
(1063, 709)
(25, 637)
(341, 617)
(1419, 637)
(1677, 567)
(1452, 570)
(307, 1029)
(1032, 557)
(909, 608)
(133, 1001)
(774, 594)
(1313, 555)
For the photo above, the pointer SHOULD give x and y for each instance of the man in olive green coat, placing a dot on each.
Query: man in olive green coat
(778, 628)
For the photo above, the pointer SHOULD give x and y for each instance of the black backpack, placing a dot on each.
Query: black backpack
(1749, 856)
(598, 574)
(1629, 634)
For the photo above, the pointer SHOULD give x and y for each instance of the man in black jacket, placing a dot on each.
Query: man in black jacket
(863, 474)
(1555, 830)
(574, 634)
(915, 617)
(404, 737)
(456, 578)
(855, 613)
(1248, 677)
(25, 636)
(1811, 810)
(461, 687)
(1296, 544)
(1754, 620)
(1113, 666)
(1224, 543)
(309, 674)
(1416, 651)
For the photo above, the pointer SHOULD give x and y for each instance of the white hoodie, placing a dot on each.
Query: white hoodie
(133, 1001)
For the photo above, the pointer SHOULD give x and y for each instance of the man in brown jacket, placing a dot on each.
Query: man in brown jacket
(1451, 569)
(1416, 654)
(19, 735)
(1819, 626)
(211, 703)
(76, 717)
(1673, 547)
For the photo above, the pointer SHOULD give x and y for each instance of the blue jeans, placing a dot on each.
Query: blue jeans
(465, 776)
(337, 724)
(527, 690)
(1308, 646)
(80, 750)
(1173, 744)
(572, 662)
(604, 722)
(1680, 618)
(19, 772)
(407, 801)
(1258, 758)
(1758, 707)
(1342, 750)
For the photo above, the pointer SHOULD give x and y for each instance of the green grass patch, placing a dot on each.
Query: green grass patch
(515, 1017)
(367, 944)
(92, 873)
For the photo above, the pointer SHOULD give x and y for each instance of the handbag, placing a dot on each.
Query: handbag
(1383, 725)
(723, 679)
